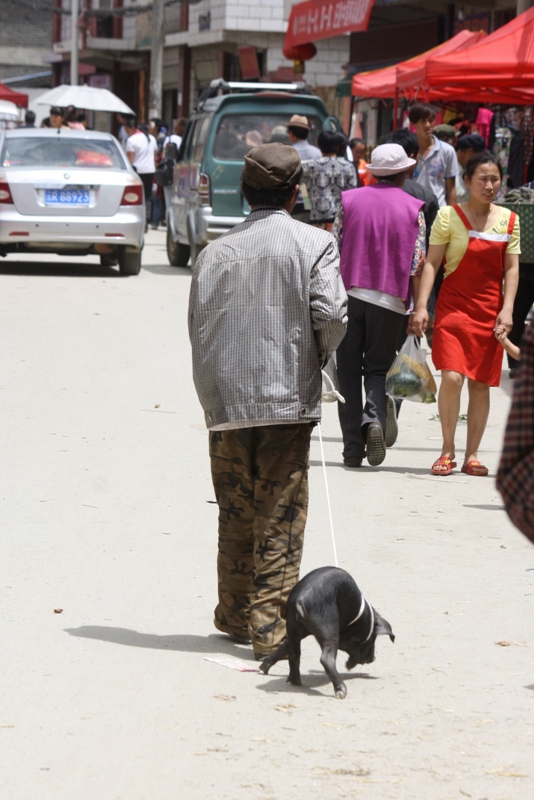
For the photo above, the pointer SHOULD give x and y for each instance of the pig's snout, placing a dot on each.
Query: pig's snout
(353, 661)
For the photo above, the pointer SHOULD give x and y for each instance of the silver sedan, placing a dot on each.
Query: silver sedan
(72, 193)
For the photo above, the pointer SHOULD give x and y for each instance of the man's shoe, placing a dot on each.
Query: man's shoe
(392, 428)
(376, 446)
(353, 463)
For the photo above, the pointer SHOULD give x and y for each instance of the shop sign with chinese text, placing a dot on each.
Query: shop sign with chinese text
(322, 19)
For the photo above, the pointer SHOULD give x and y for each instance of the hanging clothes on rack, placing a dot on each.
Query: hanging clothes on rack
(483, 123)
(528, 140)
(508, 149)
(501, 148)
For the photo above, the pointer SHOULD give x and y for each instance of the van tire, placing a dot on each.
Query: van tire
(177, 253)
(129, 263)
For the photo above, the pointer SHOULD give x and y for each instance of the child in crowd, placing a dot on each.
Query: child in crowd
(511, 349)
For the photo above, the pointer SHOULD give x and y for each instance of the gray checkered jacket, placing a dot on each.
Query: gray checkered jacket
(267, 308)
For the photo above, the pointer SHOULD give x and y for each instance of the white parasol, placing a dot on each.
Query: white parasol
(89, 98)
(8, 110)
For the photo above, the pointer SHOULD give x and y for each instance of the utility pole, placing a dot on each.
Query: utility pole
(156, 58)
(74, 55)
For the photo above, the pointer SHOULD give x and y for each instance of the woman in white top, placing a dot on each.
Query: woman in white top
(141, 149)
(176, 137)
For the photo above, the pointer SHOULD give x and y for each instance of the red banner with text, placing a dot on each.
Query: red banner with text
(322, 19)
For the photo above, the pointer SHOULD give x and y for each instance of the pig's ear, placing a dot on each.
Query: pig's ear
(382, 627)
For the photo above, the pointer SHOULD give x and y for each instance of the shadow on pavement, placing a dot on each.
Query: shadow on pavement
(483, 507)
(57, 269)
(166, 269)
(377, 470)
(186, 643)
(310, 682)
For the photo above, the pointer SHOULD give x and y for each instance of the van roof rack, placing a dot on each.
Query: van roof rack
(256, 86)
(219, 87)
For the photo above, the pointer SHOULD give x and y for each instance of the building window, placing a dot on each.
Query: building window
(104, 25)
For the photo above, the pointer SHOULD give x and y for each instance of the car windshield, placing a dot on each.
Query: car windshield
(238, 133)
(61, 151)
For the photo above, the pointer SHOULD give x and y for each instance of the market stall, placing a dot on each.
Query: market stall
(383, 83)
(504, 59)
(18, 98)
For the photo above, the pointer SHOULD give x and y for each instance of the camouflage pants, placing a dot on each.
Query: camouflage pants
(260, 476)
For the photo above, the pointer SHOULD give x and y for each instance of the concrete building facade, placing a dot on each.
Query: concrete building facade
(25, 35)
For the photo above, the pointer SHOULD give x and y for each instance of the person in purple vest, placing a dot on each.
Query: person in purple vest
(381, 236)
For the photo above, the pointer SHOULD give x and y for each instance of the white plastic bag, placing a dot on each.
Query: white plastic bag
(330, 392)
(409, 377)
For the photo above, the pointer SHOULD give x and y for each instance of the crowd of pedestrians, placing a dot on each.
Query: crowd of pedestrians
(145, 147)
(274, 298)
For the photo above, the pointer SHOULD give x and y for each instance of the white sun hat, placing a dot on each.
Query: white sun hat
(388, 159)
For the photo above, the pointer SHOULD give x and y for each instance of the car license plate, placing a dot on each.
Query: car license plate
(67, 197)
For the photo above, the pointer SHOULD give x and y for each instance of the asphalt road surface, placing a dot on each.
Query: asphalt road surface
(108, 582)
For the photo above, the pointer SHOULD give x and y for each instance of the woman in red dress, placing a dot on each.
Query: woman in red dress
(479, 242)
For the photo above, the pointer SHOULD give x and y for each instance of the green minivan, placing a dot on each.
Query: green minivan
(206, 197)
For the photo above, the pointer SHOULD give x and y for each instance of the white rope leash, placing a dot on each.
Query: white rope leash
(327, 495)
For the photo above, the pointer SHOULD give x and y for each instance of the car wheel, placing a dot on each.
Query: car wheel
(129, 263)
(177, 253)
(108, 261)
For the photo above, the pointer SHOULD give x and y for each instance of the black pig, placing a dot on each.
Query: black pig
(328, 604)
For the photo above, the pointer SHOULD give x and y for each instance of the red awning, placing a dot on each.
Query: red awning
(378, 83)
(381, 83)
(412, 73)
(14, 97)
(322, 19)
(504, 59)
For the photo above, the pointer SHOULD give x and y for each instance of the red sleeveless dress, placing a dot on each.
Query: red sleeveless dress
(467, 307)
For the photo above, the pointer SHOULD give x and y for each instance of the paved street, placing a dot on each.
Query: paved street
(108, 515)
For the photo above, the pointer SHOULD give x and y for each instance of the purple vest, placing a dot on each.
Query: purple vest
(379, 233)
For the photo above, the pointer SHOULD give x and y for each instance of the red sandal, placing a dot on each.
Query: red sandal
(474, 467)
(443, 462)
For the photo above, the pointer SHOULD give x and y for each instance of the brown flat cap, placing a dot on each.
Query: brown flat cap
(271, 165)
(297, 121)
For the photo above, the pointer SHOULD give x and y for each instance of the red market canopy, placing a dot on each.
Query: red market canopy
(412, 73)
(378, 83)
(14, 97)
(382, 83)
(504, 59)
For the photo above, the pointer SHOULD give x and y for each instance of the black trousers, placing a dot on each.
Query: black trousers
(369, 348)
(147, 178)
(522, 305)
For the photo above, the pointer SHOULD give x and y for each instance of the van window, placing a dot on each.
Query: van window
(201, 133)
(238, 133)
(186, 148)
